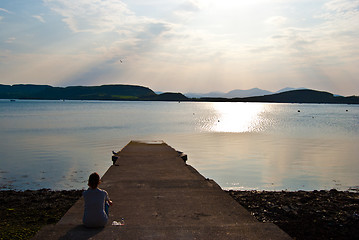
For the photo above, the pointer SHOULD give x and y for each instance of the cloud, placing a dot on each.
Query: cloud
(4, 10)
(342, 5)
(189, 6)
(40, 68)
(276, 20)
(339, 29)
(187, 9)
(152, 30)
(93, 16)
(341, 15)
(241, 44)
(10, 40)
(38, 17)
(330, 40)
(318, 54)
(134, 35)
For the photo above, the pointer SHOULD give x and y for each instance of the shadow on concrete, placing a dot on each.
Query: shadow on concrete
(81, 232)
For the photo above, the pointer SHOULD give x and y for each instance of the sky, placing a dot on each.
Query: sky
(182, 45)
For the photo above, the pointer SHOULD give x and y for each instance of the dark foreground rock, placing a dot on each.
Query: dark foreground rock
(23, 213)
(306, 215)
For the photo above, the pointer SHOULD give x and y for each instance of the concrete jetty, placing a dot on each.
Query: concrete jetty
(161, 197)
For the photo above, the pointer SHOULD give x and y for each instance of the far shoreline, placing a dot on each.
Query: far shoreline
(197, 100)
(123, 92)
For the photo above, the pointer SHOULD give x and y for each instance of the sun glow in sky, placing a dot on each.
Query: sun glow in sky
(182, 45)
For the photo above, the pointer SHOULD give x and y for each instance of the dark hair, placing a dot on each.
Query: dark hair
(94, 180)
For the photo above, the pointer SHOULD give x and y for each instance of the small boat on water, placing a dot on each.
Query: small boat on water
(12, 100)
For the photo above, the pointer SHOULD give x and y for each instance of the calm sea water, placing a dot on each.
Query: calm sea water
(56, 144)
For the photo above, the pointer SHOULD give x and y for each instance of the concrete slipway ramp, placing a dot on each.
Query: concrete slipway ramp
(161, 197)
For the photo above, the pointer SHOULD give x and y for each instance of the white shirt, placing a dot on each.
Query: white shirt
(94, 214)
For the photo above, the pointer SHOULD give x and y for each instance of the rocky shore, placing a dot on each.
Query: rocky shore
(23, 213)
(306, 215)
(302, 214)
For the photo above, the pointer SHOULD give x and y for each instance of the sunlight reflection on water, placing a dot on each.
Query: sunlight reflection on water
(238, 117)
(57, 144)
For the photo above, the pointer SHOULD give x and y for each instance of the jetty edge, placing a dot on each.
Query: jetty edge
(159, 196)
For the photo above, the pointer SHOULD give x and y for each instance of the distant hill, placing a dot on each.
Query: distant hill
(139, 93)
(237, 93)
(294, 96)
(289, 89)
(247, 93)
(104, 92)
(200, 95)
(303, 96)
(167, 97)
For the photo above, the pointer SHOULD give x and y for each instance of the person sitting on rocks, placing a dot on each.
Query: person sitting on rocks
(97, 203)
